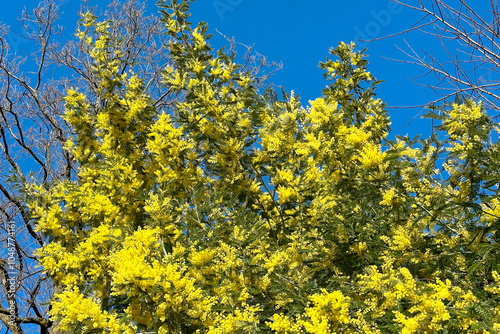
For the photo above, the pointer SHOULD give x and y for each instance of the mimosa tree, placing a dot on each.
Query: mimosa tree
(235, 211)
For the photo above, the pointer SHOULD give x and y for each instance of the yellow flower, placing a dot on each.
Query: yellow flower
(371, 156)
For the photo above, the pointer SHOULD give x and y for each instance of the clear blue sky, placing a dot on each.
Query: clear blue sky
(299, 34)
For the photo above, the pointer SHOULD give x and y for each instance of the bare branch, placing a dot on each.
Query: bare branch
(469, 39)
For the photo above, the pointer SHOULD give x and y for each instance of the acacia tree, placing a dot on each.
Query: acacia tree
(32, 132)
(238, 211)
(469, 34)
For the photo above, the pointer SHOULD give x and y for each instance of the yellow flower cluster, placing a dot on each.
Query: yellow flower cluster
(86, 312)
